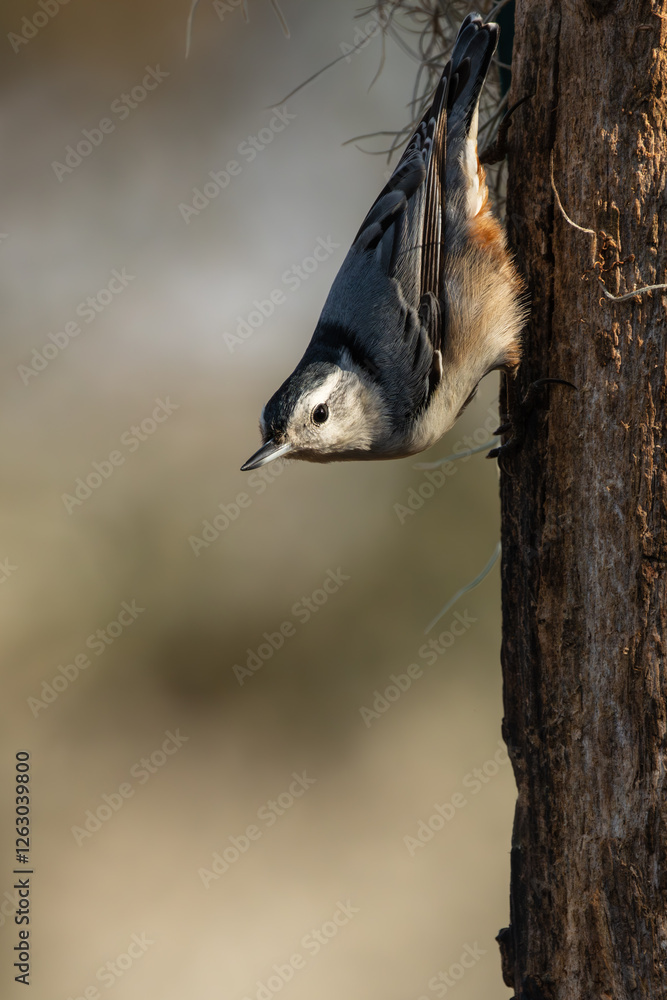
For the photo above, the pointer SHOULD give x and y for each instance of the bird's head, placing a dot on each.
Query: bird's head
(325, 411)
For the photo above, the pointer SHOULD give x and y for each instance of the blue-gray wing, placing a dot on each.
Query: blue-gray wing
(388, 304)
(405, 226)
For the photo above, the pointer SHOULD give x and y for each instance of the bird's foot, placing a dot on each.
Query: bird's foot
(518, 421)
(497, 150)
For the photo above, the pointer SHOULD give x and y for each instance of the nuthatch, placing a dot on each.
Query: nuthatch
(426, 303)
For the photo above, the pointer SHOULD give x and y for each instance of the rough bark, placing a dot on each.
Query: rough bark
(583, 508)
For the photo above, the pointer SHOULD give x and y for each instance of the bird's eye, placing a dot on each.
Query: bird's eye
(320, 413)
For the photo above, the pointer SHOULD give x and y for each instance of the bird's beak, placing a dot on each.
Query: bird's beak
(267, 453)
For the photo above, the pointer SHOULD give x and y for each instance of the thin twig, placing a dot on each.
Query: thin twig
(372, 135)
(631, 295)
(593, 233)
(464, 590)
(281, 18)
(567, 218)
(188, 30)
(344, 55)
(458, 454)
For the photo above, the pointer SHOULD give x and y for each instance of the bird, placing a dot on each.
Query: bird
(426, 303)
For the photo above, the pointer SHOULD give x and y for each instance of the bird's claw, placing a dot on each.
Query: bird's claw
(504, 427)
(497, 150)
(517, 423)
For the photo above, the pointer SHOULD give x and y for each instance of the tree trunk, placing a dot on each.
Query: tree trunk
(583, 507)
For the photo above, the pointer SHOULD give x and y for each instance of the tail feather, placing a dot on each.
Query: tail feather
(475, 45)
(406, 222)
(474, 49)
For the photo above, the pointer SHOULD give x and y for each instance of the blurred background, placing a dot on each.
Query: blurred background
(133, 300)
